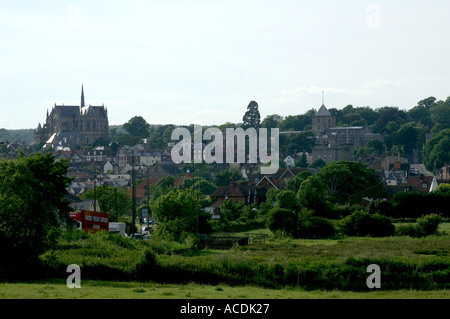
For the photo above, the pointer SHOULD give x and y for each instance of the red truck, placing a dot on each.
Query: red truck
(91, 221)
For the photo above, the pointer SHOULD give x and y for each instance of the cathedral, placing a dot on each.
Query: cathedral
(74, 125)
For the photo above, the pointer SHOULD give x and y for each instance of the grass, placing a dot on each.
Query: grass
(114, 267)
(91, 289)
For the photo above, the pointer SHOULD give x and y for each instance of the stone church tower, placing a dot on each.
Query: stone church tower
(74, 125)
(322, 121)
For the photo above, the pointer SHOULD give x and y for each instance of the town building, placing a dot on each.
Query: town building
(336, 143)
(74, 125)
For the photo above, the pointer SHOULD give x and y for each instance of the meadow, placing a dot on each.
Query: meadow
(281, 267)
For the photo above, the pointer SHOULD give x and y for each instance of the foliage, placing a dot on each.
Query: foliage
(31, 204)
(225, 177)
(282, 219)
(287, 199)
(107, 197)
(202, 170)
(178, 215)
(443, 189)
(362, 223)
(374, 147)
(137, 126)
(301, 161)
(380, 206)
(293, 143)
(294, 183)
(428, 224)
(437, 151)
(312, 195)
(344, 178)
(199, 184)
(406, 263)
(318, 163)
(416, 204)
(270, 200)
(252, 118)
(425, 226)
(271, 121)
(314, 227)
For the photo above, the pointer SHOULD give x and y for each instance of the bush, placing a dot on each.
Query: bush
(282, 219)
(380, 206)
(362, 223)
(428, 224)
(425, 226)
(315, 227)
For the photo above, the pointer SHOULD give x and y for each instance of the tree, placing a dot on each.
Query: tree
(374, 147)
(225, 178)
(282, 219)
(312, 195)
(252, 118)
(301, 161)
(199, 184)
(287, 199)
(293, 143)
(440, 112)
(32, 204)
(137, 127)
(179, 216)
(443, 188)
(437, 151)
(110, 198)
(230, 210)
(271, 121)
(344, 178)
(318, 163)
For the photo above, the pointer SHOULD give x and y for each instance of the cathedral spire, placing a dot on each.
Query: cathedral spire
(82, 96)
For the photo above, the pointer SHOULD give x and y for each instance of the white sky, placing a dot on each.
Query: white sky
(185, 62)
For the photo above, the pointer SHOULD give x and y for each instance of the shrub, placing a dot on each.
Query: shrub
(425, 226)
(428, 225)
(282, 219)
(362, 223)
(315, 227)
(380, 206)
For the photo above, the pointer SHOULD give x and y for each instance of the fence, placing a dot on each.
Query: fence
(228, 240)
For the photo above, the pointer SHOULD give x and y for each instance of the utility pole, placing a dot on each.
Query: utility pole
(133, 187)
(115, 201)
(95, 182)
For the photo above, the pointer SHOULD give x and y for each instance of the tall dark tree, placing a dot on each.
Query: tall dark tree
(137, 126)
(32, 201)
(252, 118)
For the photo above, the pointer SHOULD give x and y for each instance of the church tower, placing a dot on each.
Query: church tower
(322, 120)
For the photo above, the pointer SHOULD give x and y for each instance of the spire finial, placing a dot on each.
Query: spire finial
(82, 95)
(322, 98)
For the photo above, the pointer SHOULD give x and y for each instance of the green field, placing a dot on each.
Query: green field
(90, 289)
(115, 267)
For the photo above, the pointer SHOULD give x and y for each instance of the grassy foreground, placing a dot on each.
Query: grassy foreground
(91, 289)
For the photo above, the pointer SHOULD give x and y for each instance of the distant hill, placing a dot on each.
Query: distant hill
(21, 135)
(27, 135)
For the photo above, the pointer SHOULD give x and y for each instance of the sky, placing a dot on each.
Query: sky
(201, 62)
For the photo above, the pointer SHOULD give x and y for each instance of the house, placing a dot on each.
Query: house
(289, 160)
(108, 167)
(421, 183)
(237, 192)
(149, 159)
(390, 179)
(163, 169)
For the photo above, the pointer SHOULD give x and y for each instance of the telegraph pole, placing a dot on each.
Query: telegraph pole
(133, 187)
